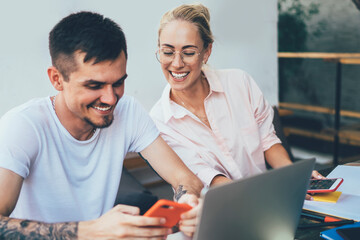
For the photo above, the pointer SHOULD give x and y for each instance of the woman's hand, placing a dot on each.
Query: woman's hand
(190, 219)
(314, 175)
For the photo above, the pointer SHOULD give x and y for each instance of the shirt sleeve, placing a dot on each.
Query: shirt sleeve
(19, 143)
(144, 131)
(186, 150)
(263, 114)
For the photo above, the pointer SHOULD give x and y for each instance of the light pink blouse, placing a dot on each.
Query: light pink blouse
(241, 127)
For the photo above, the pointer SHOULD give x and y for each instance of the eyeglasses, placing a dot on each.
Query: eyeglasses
(167, 55)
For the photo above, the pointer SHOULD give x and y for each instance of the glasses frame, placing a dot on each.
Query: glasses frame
(157, 54)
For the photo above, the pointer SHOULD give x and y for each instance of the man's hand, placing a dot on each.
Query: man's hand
(123, 222)
(190, 219)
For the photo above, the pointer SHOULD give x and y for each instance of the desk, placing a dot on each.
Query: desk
(301, 234)
(310, 233)
(178, 236)
(314, 233)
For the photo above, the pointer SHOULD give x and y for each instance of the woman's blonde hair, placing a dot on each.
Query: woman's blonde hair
(197, 14)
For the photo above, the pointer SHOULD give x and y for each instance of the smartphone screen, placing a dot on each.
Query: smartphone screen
(349, 233)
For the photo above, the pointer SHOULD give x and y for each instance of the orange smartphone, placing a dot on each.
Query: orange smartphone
(169, 210)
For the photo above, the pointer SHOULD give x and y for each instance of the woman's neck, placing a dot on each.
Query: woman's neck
(192, 98)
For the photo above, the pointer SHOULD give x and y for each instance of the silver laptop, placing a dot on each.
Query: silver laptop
(262, 207)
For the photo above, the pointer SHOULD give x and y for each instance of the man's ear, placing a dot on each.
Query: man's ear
(56, 78)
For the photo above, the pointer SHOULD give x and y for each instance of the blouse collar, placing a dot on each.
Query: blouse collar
(172, 109)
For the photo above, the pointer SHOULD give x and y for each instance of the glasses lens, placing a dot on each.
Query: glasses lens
(166, 55)
(189, 56)
(158, 55)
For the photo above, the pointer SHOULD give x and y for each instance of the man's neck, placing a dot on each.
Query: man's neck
(77, 128)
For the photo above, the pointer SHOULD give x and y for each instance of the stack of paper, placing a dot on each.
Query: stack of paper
(348, 204)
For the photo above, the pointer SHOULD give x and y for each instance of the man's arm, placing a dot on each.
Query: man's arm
(10, 185)
(171, 168)
(10, 228)
(187, 186)
(120, 222)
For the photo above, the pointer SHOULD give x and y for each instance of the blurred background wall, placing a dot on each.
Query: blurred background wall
(245, 37)
(329, 26)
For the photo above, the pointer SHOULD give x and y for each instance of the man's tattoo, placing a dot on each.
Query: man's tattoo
(11, 228)
(179, 192)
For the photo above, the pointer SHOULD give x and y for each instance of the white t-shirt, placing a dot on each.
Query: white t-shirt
(66, 179)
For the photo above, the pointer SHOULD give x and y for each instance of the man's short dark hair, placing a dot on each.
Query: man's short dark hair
(98, 37)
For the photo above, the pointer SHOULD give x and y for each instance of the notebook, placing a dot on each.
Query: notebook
(348, 204)
(263, 207)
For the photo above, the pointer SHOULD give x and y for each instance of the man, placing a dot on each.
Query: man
(61, 157)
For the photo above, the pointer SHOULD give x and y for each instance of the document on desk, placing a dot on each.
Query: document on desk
(348, 204)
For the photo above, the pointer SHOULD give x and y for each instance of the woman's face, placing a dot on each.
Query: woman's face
(183, 38)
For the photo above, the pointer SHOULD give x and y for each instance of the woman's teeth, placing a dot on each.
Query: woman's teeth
(179, 75)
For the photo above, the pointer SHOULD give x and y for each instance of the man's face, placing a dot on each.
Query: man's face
(93, 90)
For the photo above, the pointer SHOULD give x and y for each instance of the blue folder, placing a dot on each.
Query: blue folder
(331, 234)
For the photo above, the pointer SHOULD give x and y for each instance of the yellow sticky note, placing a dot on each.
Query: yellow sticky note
(330, 197)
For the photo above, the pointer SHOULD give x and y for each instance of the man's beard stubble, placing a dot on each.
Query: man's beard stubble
(107, 121)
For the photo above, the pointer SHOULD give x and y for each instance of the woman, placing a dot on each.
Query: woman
(217, 121)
